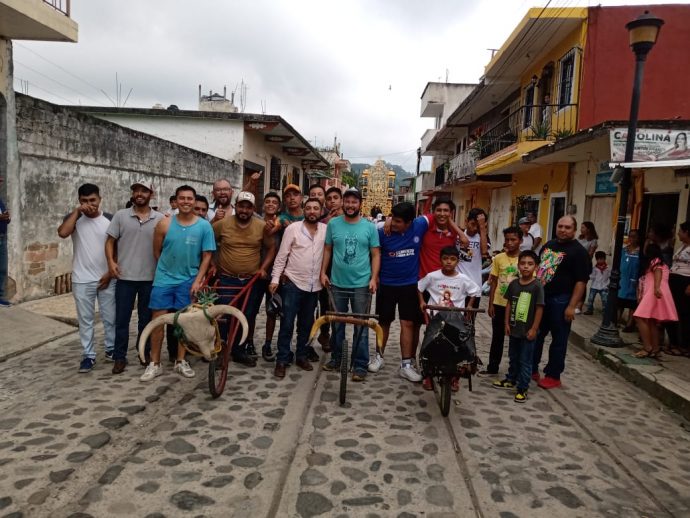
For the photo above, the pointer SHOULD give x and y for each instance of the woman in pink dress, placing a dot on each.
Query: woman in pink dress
(655, 302)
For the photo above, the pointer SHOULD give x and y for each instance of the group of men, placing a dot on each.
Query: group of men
(318, 249)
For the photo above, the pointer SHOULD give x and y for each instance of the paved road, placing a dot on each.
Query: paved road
(98, 445)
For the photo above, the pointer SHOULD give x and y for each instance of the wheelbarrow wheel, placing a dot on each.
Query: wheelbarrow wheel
(344, 372)
(218, 366)
(444, 397)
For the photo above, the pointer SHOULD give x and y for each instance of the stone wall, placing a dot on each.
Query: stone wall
(59, 150)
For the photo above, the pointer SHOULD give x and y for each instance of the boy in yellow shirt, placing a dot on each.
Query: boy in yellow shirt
(503, 270)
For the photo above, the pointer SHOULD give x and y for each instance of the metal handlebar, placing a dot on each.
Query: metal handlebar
(454, 309)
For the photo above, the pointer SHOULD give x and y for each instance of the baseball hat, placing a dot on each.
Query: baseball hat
(353, 192)
(246, 196)
(291, 187)
(143, 183)
(523, 221)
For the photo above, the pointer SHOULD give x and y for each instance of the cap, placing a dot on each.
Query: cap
(144, 183)
(274, 307)
(245, 196)
(353, 192)
(291, 187)
(523, 221)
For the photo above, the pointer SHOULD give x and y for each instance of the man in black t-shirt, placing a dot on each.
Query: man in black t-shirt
(563, 270)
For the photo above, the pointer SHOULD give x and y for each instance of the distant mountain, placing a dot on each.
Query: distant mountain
(400, 173)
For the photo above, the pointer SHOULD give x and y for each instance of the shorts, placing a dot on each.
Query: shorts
(171, 297)
(405, 297)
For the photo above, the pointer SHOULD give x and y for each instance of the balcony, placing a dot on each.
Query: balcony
(42, 20)
(427, 138)
(461, 166)
(534, 122)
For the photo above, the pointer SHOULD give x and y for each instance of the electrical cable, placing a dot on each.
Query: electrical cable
(57, 82)
(44, 90)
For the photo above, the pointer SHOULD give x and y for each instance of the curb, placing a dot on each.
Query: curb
(667, 393)
(35, 346)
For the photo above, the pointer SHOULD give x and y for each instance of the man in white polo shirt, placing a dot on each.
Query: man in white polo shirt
(87, 226)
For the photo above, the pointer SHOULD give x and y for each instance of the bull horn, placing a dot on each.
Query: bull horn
(224, 309)
(325, 319)
(158, 321)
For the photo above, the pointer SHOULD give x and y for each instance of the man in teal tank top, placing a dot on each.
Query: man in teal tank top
(183, 244)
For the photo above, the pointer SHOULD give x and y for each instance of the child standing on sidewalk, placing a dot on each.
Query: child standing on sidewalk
(600, 282)
(503, 271)
(524, 310)
(655, 302)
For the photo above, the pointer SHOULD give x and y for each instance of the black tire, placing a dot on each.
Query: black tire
(218, 366)
(444, 400)
(344, 372)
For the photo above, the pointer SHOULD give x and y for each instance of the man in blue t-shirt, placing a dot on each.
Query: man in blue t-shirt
(398, 285)
(183, 244)
(353, 244)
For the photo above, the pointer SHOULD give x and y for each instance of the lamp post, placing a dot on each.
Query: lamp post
(643, 33)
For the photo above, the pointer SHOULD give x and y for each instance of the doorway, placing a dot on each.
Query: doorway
(599, 210)
(659, 208)
(556, 212)
(249, 169)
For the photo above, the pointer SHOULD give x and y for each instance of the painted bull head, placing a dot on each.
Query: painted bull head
(198, 330)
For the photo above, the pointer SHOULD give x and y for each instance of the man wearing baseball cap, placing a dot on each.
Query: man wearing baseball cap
(240, 239)
(131, 234)
(292, 202)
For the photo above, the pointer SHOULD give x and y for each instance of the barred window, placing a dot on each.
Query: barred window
(565, 85)
(529, 106)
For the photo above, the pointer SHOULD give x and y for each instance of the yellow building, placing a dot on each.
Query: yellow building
(377, 185)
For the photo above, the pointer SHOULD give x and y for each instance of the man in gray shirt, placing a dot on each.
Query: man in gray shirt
(129, 250)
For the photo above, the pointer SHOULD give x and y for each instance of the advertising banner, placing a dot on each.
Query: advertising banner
(651, 145)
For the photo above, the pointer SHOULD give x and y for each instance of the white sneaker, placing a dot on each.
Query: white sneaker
(376, 364)
(182, 367)
(410, 373)
(152, 371)
(578, 311)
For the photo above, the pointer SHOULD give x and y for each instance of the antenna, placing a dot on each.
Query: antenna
(447, 71)
(493, 52)
(118, 102)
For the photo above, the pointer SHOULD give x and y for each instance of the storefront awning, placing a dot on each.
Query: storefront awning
(673, 164)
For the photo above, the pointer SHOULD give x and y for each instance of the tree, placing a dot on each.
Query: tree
(351, 178)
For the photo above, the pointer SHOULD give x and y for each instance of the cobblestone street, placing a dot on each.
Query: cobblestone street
(104, 445)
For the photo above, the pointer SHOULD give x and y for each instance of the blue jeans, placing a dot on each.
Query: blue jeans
(253, 303)
(359, 299)
(296, 304)
(520, 352)
(125, 294)
(3, 265)
(85, 295)
(604, 294)
(553, 321)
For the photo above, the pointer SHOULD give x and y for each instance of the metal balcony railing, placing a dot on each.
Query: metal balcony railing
(62, 6)
(461, 166)
(529, 122)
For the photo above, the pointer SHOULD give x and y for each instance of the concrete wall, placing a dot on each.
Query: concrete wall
(220, 138)
(59, 150)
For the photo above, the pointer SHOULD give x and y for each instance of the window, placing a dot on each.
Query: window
(565, 85)
(529, 106)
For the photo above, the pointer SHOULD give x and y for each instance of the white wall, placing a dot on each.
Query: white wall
(220, 138)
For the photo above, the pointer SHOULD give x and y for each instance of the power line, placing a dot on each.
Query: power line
(59, 67)
(57, 82)
(26, 86)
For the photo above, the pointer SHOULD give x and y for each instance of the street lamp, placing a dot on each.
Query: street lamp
(643, 32)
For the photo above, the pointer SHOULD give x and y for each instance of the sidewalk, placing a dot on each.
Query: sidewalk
(667, 379)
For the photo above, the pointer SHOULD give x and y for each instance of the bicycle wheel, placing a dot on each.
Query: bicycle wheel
(444, 399)
(218, 366)
(344, 372)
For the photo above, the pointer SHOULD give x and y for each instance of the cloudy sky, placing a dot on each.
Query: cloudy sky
(351, 68)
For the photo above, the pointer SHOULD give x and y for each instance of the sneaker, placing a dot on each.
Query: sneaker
(152, 371)
(504, 384)
(427, 384)
(536, 376)
(589, 311)
(548, 383)
(455, 384)
(409, 373)
(109, 356)
(183, 367)
(331, 365)
(578, 311)
(267, 354)
(312, 355)
(251, 350)
(86, 365)
(376, 364)
(486, 373)
(520, 396)
(5, 303)
(359, 376)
